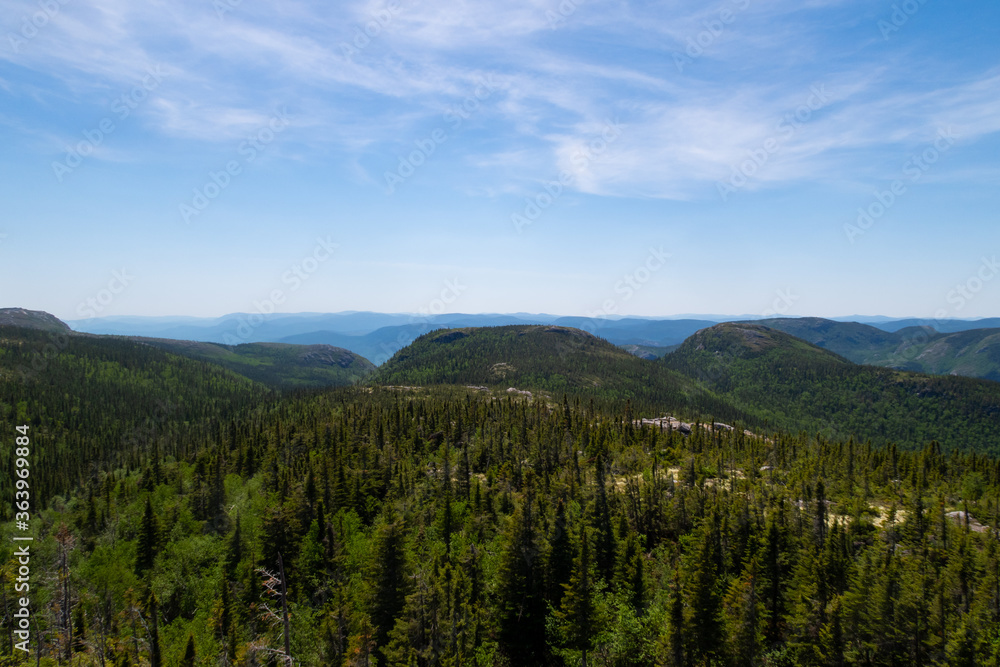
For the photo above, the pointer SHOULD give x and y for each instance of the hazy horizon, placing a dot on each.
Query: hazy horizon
(427, 316)
(720, 317)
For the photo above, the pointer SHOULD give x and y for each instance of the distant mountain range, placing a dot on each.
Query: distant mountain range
(377, 336)
(911, 344)
(784, 374)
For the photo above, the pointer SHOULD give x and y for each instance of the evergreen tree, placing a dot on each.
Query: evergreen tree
(189, 653)
(520, 590)
(746, 617)
(704, 605)
(388, 579)
(605, 547)
(578, 615)
(148, 544)
(152, 606)
(560, 557)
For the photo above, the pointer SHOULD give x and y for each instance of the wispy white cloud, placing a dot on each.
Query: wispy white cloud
(683, 129)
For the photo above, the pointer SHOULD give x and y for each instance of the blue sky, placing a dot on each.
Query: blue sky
(575, 157)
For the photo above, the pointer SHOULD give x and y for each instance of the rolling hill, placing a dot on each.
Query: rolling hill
(376, 346)
(376, 336)
(172, 498)
(551, 359)
(794, 384)
(972, 353)
(279, 365)
(32, 319)
(944, 326)
(97, 401)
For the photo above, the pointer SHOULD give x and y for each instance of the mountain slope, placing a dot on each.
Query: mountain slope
(972, 353)
(279, 365)
(854, 341)
(376, 346)
(796, 385)
(547, 358)
(944, 326)
(95, 402)
(32, 319)
(376, 336)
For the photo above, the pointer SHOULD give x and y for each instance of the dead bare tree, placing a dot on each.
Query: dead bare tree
(276, 588)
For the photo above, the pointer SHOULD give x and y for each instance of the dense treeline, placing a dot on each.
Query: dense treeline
(449, 526)
(278, 365)
(790, 384)
(103, 403)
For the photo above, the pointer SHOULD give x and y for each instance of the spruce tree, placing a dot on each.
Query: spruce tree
(704, 604)
(520, 589)
(189, 653)
(148, 543)
(389, 580)
(560, 557)
(578, 613)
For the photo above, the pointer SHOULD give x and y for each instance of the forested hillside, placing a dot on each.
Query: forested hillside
(446, 525)
(972, 353)
(551, 359)
(794, 385)
(279, 365)
(437, 527)
(100, 403)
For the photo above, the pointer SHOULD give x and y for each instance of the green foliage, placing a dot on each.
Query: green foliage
(450, 526)
(278, 365)
(101, 404)
(788, 384)
(973, 353)
(552, 359)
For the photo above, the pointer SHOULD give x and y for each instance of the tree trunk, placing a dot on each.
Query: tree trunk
(284, 611)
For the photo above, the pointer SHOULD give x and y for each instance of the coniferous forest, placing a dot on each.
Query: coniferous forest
(185, 515)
